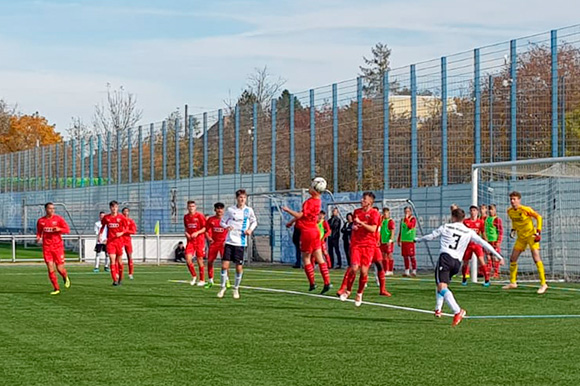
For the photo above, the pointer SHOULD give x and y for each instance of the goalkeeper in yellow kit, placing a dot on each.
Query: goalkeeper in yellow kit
(527, 235)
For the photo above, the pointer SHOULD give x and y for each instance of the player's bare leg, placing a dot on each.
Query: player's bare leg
(191, 268)
(513, 269)
(130, 264)
(201, 266)
(323, 266)
(541, 271)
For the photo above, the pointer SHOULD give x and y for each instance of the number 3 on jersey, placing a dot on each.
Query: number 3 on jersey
(457, 238)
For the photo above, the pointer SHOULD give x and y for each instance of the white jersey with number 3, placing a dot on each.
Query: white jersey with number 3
(455, 238)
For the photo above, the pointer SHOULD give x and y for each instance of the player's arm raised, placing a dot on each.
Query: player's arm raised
(478, 240)
(296, 215)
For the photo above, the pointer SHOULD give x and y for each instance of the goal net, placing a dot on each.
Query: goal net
(551, 187)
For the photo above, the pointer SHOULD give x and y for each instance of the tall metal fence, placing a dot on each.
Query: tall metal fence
(416, 126)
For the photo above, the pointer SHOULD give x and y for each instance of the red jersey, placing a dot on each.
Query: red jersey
(114, 224)
(310, 212)
(131, 229)
(46, 229)
(327, 230)
(215, 231)
(194, 223)
(478, 225)
(360, 236)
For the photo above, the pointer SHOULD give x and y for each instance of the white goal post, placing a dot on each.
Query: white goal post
(551, 186)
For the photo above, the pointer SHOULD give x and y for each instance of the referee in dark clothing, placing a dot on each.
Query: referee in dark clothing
(334, 239)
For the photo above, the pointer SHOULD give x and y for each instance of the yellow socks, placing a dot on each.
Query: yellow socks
(514, 272)
(541, 272)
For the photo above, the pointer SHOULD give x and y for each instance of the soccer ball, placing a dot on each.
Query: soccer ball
(318, 184)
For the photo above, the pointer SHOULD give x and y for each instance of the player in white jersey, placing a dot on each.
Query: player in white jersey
(101, 247)
(454, 239)
(240, 221)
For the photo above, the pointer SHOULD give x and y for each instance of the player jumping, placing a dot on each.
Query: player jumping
(216, 236)
(194, 223)
(240, 221)
(527, 235)
(116, 225)
(131, 230)
(49, 231)
(454, 239)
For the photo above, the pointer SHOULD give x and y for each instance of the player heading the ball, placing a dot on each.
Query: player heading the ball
(527, 235)
(454, 240)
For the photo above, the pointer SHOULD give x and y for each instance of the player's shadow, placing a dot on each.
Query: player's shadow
(389, 319)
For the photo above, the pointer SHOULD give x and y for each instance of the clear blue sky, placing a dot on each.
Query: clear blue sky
(56, 57)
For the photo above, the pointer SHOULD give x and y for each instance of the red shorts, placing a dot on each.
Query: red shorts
(214, 249)
(387, 248)
(471, 249)
(115, 247)
(378, 256)
(310, 240)
(195, 248)
(362, 255)
(129, 246)
(408, 249)
(55, 256)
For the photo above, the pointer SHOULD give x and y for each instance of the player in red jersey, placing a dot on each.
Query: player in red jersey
(49, 231)
(216, 236)
(116, 225)
(363, 246)
(310, 242)
(194, 223)
(406, 240)
(325, 233)
(477, 224)
(378, 261)
(131, 230)
(387, 245)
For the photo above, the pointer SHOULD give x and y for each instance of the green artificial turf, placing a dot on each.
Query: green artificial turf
(31, 251)
(154, 331)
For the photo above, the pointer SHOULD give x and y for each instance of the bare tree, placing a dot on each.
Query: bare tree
(78, 129)
(117, 114)
(261, 87)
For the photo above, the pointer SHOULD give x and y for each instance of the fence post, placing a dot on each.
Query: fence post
(99, 159)
(292, 160)
(152, 152)
(82, 173)
(164, 146)
(220, 142)
(491, 135)
(140, 151)
(513, 100)
(65, 166)
(414, 153)
(177, 129)
(359, 114)
(335, 137)
(386, 115)
(109, 169)
(477, 110)
(312, 135)
(554, 49)
(129, 155)
(91, 161)
(13, 249)
(118, 159)
(205, 166)
(273, 127)
(236, 140)
(190, 133)
(254, 139)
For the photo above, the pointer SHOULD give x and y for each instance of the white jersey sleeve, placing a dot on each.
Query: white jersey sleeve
(476, 239)
(239, 220)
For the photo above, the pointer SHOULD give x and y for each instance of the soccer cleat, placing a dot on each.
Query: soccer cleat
(414, 273)
(228, 285)
(236, 293)
(385, 293)
(115, 283)
(406, 273)
(542, 289)
(96, 270)
(119, 282)
(208, 285)
(312, 287)
(67, 282)
(55, 292)
(325, 289)
(464, 282)
(201, 283)
(438, 313)
(358, 300)
(389, 273)
(486, 284)
(458, 317)
(106, 269)
(130, 277)
(510, 286)
(221, 293)
(344, 296)
(192, 282)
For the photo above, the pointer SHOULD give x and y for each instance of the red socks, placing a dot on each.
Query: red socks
(130, 266)
(210, 269)
(382, 281)
(407, 262)
(414, 263)
(201, 273)
(327, 259)
(465, 269)
(324, 272)
(350, 281)
(53, 280)
(485, 272)
(362, 281)
(309, 270)
(120, 268)
(191, 268)
(344, 281)
(114, 272)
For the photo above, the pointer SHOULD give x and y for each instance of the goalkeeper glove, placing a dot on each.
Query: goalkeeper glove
(513, 234)
(538, 236)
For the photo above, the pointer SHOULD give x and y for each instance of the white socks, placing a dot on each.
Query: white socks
(448, 296)
(238, 279)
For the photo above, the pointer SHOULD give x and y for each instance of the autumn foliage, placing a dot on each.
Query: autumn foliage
(26, 131)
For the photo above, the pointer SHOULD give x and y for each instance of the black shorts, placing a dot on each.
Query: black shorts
(446, 268)
(234, 253)
(100, 248)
